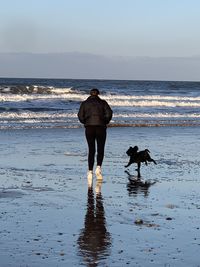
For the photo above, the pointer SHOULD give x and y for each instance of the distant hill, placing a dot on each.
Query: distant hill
(90, 66)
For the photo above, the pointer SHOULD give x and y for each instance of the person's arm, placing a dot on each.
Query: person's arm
(81, 114)
(107, 112)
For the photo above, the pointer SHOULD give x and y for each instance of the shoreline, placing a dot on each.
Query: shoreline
(47, 214)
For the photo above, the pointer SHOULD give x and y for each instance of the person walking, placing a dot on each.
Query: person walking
(95, 114)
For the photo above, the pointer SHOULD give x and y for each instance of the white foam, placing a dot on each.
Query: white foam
(113, 100)
(152, 103)
(32, 117)
(38, 115)
(151, 97)
(156, 115)
(62, 91)
(27, 97)
(6, 90)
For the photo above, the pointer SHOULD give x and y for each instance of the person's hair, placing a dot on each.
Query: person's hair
(94, 92)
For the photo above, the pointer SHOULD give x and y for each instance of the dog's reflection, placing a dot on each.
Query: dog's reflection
(137, 186)
(94, 241)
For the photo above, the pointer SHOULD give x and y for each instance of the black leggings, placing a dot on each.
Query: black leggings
(95, 134)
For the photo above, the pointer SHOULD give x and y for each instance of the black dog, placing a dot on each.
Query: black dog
(138, 157)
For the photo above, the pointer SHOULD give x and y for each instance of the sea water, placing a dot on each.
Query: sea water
(51, 103)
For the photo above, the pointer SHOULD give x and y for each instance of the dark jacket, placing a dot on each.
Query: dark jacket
(95, 111)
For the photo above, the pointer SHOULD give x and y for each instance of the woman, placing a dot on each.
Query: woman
(95, 114)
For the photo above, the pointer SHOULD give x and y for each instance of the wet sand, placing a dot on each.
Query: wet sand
(49, 217)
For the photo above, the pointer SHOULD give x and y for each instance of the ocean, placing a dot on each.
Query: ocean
(54, 103)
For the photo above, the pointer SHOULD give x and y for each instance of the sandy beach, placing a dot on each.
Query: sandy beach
(49, 218)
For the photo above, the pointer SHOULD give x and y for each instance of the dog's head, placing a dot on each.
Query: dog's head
(132, 150)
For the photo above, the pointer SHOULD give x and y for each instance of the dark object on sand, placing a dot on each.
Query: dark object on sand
(138, 221)
(138, 157)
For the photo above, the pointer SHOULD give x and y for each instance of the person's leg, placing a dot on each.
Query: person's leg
(90, 137)
(101, 139)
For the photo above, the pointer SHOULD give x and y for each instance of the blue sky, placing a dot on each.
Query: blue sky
(106, 27)
(120, 28)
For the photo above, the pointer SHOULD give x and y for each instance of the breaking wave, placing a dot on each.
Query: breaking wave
(55, 103)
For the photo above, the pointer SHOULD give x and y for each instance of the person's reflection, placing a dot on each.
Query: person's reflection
(94, 241)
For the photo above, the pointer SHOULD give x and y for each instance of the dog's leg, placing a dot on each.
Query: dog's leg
(128, 164)
(152, 160)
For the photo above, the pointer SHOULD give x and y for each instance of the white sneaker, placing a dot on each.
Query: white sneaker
(98, 170)
(89, 178)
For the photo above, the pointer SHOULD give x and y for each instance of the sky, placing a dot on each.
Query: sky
(109, 30)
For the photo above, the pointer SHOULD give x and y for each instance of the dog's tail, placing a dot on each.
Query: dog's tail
(147, 150)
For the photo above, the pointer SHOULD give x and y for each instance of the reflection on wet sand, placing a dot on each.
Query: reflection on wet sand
(136, 186)
(94, 241)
